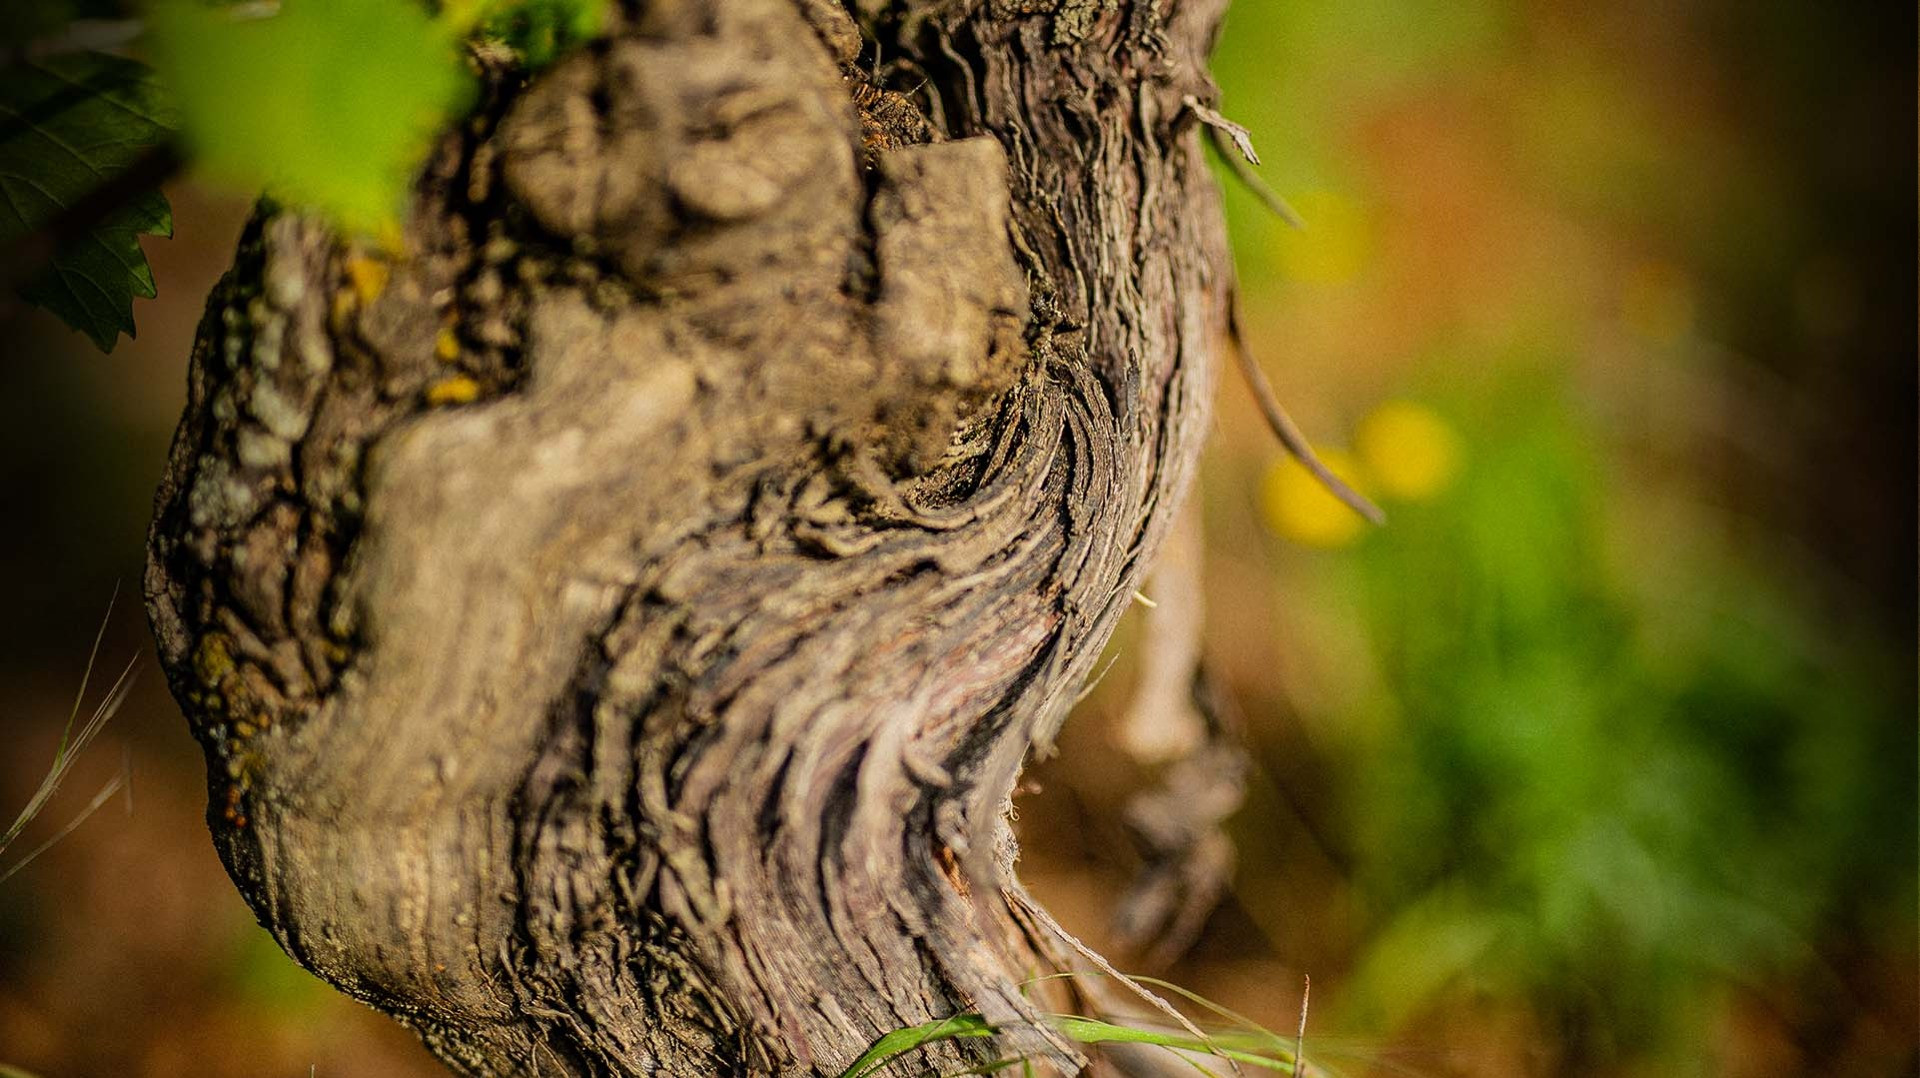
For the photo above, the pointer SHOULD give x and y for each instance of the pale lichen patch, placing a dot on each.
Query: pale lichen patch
(261, 450)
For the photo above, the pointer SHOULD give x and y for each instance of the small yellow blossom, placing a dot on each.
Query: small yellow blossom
(1409, 452)
(1297, 506)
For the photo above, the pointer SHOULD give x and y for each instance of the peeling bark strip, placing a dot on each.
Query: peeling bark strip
(615, 626)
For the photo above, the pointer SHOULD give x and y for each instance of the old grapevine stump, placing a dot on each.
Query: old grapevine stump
(615, 622)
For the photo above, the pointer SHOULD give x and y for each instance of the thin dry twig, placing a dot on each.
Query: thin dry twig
(71, 743)
(1235, 146)
(1300, 1037)
(106, 794)
(1284, 428)
(1045, 919)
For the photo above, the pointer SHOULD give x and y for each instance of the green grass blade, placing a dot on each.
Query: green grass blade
(901, 1041)
(1247, 1036)
(1094, 1031)
(1248, 1026)
(1251, 1044)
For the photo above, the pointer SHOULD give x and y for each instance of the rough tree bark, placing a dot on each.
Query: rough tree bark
(617, 622)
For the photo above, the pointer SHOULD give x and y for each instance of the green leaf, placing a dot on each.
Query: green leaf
(1094, 1031)
(330, 104)
(69, 125)
(538, 30)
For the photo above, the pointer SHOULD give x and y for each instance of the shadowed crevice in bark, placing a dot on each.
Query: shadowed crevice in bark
(616, 625)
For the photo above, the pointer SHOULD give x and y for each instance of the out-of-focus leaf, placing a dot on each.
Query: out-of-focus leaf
(70, 125)
(25, 22)
(538, 30)
(1408, 450)
(1298, 506)
(329, 104)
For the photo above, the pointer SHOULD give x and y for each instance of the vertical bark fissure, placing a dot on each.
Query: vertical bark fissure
(617, 625)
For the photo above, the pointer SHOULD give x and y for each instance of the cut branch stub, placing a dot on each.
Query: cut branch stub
(615, 626)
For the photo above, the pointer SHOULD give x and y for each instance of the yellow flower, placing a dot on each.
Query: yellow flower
(1409, 451)
(1299, 507)
(1336, 243)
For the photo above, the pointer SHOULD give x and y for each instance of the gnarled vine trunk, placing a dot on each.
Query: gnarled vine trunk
(616, 622)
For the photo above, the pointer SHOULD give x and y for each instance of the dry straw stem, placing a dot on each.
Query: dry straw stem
(72, 744)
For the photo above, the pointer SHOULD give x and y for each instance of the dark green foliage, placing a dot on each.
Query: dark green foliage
(1613, 760)
(70, 125)
(331, 106)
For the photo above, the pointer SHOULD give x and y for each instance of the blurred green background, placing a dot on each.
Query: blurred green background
(1600, 758)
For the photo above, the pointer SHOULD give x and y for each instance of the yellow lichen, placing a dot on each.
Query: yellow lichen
(212, 660)
(446, 346)
(343, 306)
(368, 276)
(458, 389)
